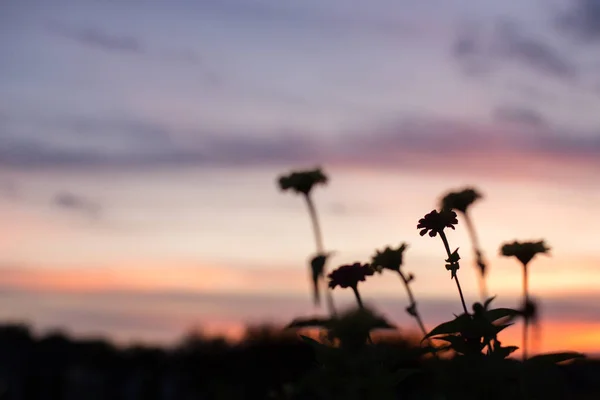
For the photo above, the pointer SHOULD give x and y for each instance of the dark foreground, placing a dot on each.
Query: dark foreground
(261, 366)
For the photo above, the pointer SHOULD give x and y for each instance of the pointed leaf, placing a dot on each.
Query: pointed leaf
(457, 343)
(499, 313)
(323, 353)
(309, 322)
(554, 358)
(509, 350)
(488, 302)
(500, 328)
(456, 325)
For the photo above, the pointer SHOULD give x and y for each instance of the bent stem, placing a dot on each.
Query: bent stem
(526, 317)
(413, 303)
(478, 254)
(312, 211)
(455, 276)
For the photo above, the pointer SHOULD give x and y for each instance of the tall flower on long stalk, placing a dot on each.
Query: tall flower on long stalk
(461, 201)
(302, 183)
(392, 259)
(434, 223)
(525, 252)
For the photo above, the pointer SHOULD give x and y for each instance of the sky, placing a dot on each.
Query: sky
(140, 143)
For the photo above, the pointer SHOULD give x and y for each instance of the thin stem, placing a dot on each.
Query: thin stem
(358, 299)
(462, 298)
(475, 241)
(526, 298)
(312, 211)
(447, 246)
(362, 307)
(315, 224)
(411, 299)
(416, 315)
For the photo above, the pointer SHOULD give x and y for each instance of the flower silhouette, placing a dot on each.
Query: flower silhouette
(524, 251)
(302, 181)
(348, 276)
(460, 201)
(435, 222)
(389, 258)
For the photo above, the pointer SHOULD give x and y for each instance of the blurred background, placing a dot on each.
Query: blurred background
(140, 144)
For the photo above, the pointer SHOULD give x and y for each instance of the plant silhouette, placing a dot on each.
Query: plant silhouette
(435, 222)
(479, 366)
(462, 201)
(392, 260)
(525, 252)
(302, 183)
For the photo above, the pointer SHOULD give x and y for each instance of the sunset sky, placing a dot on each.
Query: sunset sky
(140, 142)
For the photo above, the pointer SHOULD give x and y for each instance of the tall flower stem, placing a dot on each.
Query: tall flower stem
(358, 299)
(455, 276)
(312, 211)
(413, 303)
(315, 223)
(475, 240)
(526, 317)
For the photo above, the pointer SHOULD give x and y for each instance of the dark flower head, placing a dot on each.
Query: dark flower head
(435, 222)
(302, 181)
(352, 327)
(529, 311)
(317, 266)
(460, 200)
(349, 275)
(524, 251)
(388, 258)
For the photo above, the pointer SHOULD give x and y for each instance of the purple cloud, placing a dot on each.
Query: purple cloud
(99, 39)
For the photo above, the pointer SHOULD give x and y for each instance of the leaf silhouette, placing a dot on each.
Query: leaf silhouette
(458, 324)
(457, 343)
(323, 353)
(500, 328)
(554, 358)
(488, 302)
(499, 313)
(309, 322)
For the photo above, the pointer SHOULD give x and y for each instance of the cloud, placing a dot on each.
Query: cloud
(489, 49)
(425, 143)
(534, 53)
(582, 19)
(96, 38)
(519, 115)
(74, 202)
(100, 39)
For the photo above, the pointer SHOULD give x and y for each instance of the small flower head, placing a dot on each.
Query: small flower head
(349, 275)
(302, 181)
(461, 200)
(524, 251)
(317, 266)
(530, 311)
(435, 222)
(389, 258)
